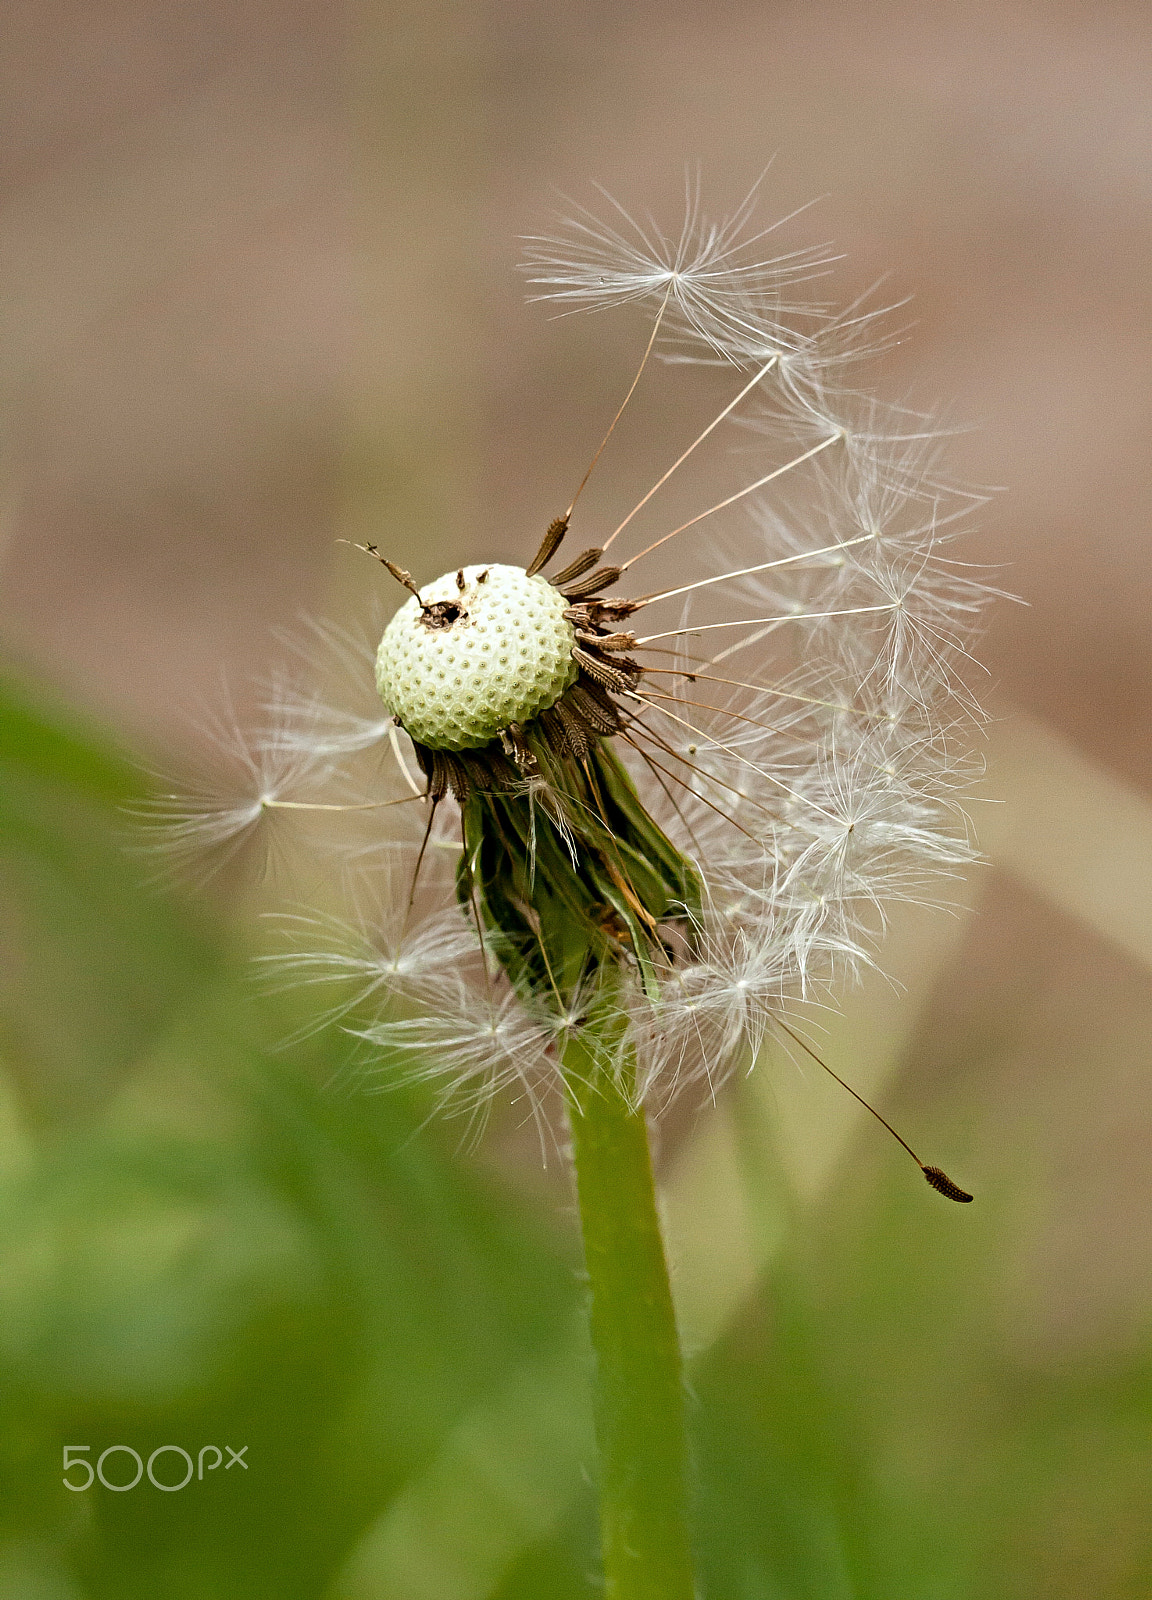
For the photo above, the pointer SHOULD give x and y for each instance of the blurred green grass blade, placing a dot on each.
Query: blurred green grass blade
(94, 963)
(54, 746)
(501, 1482)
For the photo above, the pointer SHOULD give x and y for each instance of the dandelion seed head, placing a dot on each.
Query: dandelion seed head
(713, 792)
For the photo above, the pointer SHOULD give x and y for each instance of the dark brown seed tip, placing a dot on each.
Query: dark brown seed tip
(399, 574)
(943, 1184)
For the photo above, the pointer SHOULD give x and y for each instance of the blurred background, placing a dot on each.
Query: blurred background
(257, 294)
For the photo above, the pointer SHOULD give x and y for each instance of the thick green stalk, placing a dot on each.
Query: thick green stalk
(640, 1396)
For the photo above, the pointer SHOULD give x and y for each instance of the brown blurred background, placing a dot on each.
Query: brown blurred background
(257, 293)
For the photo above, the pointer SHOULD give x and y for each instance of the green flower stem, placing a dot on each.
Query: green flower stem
(640, 1395)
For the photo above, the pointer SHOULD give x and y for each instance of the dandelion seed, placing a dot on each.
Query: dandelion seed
(259, 776)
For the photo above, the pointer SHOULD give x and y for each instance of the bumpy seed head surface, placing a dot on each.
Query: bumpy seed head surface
(476, 658)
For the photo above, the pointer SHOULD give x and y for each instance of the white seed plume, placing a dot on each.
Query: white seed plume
(794, 710)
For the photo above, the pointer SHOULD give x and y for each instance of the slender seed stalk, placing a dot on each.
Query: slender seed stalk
(640, 1396)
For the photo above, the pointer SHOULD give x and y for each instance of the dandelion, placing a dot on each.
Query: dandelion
(653, 816)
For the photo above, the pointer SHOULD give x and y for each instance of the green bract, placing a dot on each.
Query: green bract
(478, 651)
